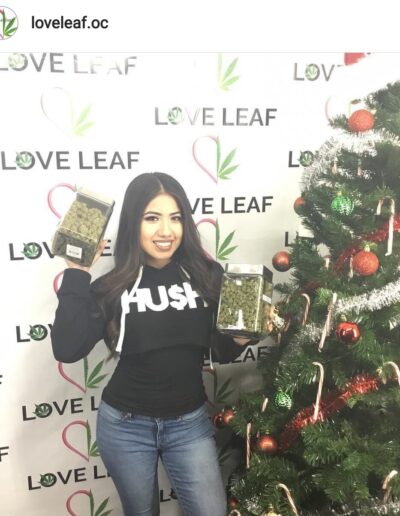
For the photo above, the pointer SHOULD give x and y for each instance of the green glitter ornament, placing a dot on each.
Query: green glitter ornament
(342, 205)
(283, 400)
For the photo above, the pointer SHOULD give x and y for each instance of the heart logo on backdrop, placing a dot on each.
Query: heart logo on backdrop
(50, 196)
(207, 221)
(67, 443)
(57, 281)
(57, 106)
(77, 493)
(222, 250)
(69, 379)
(210, 174)
(92, 378)
(340, 104)
(101, 510)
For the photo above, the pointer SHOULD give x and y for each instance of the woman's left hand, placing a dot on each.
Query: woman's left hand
(242, 341)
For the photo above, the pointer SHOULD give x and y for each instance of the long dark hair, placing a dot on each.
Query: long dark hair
(129, 256)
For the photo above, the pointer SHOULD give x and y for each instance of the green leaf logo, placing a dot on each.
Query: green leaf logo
(8, 23)
(311, 72)
(17, 61)
(37, 332)
(42, 410)
(94, 378)
(100, 510)
(175, 115)
(31, 250)
(93, 451)
(47, 480)
(81, 124)
(24, 159)
(225, 169)
(223, 250)
(306, 158)
(222, 392)
(226, 78)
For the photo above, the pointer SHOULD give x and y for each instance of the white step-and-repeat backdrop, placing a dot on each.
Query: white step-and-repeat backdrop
(230, 127)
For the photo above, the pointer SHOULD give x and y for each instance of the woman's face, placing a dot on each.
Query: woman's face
(161, 230)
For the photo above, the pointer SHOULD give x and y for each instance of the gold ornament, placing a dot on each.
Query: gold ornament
(271, 512)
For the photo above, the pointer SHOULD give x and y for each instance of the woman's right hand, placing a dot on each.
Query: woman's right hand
(100, 249)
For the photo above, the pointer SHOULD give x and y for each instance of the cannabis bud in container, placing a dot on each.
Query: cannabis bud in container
(82, 227)
(245, 300)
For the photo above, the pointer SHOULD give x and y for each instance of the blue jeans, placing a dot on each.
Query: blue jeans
(131, 445)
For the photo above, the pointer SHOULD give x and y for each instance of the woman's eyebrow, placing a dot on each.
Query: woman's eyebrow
(157, 213)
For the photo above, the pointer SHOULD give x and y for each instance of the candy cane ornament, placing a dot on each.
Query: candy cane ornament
(391, 222)
(328, 322)
(319, 392)
(289, 497)
(385, 485)
(248, 432)
(396, 370)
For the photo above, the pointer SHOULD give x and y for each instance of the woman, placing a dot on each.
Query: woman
(156, 308)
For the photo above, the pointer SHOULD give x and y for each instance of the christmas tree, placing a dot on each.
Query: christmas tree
(323, 436)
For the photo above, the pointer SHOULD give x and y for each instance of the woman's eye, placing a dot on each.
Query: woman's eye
(177, 218)
(150, 218)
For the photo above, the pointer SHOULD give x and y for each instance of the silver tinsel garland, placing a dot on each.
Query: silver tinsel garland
(370, 301)
(310, 333)
(360, 143)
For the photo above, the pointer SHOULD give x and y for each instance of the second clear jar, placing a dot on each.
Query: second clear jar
(245, 300)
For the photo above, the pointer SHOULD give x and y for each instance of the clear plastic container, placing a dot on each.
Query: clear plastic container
(245, 300)
(82, 227)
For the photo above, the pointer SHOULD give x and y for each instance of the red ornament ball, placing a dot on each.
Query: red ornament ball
(217, 420)
(348, 332)
(227, 416)
(266, 444)
(281, 261)
(232, 502)
(298, 205)
(365, 263)
(360, 121)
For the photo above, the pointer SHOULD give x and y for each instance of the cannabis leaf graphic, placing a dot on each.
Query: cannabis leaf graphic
(311, 72)
(81, 125)
(31, 250)
(93, 450)
(23, 159)
(221, 392)
(92, 379)
(8, 27)
(42, 410)
(306, 158)
(223, 251)
(175, 115)
(37, 332)
(224, 78)
(224, 170)
(47, 480)
(100, 509)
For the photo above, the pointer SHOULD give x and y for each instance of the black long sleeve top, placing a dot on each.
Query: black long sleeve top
(168, 328)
